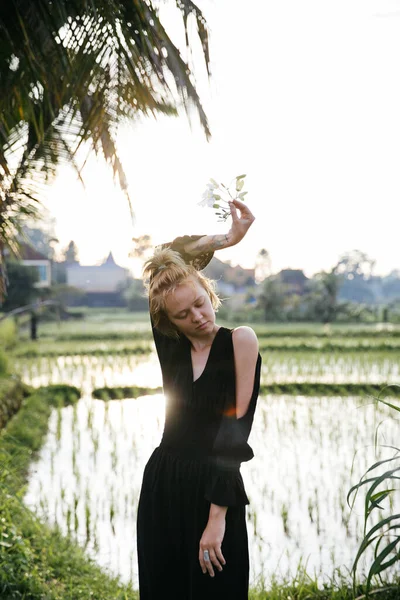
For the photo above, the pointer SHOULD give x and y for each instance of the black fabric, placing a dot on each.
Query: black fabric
(197, 463)
(200, 261)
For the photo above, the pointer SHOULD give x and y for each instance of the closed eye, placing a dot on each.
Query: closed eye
(183, 314)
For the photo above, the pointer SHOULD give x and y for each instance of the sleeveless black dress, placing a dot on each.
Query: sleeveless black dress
(196, 463)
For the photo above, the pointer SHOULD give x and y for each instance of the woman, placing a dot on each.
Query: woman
(191, 529)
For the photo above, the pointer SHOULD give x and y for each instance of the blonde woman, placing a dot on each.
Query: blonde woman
(192, 537)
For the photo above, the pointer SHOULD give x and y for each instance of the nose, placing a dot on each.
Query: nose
(196, 315)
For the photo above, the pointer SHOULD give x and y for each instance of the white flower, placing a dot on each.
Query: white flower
(208, 199)
(218, 196)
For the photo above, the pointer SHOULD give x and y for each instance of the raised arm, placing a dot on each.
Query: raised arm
(239, 228)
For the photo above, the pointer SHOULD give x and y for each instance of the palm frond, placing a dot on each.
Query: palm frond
(71, 72)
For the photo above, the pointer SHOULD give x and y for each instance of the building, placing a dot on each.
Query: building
(102, 283)
(295, 279)
(32, 258)
(230, 280)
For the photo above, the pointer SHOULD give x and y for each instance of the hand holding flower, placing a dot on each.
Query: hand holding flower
(219, 196)
(240, 224)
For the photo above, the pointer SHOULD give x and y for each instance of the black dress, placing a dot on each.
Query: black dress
(196, 463)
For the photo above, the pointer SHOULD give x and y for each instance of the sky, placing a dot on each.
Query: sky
(304, 98)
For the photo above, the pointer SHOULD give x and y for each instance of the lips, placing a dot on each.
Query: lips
(202, 325)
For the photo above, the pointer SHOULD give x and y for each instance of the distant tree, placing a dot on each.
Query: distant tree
(391, 288)
(21, 290)
(357, 283)
(357, 290)
(40, 239)
(355, 264)
(134, 295)
(67, 295)
(272, 298)
(263, 266)
(322, 296)
(71, 253)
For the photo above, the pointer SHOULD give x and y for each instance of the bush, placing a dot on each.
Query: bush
(8, 334)
(3, 364)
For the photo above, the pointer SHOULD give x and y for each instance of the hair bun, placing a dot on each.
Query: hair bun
(162, 259)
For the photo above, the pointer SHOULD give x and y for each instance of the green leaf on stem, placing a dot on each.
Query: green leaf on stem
(239, 184)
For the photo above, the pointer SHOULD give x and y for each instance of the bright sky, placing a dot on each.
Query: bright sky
(304, 99)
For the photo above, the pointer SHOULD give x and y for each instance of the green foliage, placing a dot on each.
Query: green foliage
(327, 389)
(69, 47)
(20, 290)
(12, 392)
(134, 295)
(118, 393)
(67, 294)
(8, 334)
(70, 349)
(383, 536)
(37, 561)
(3, 364)
(272, 298)
(71, 253)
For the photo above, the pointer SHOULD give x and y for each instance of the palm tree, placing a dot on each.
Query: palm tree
(71, 71)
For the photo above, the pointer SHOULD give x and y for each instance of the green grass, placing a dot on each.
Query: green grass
(8, 334)
(301, 389)
(12, 392)
(118, 393)
(37, 561)
(75, 348)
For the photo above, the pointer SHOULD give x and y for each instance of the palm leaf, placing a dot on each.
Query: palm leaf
(72, 72)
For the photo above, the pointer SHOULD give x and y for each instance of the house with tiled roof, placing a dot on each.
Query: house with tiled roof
(102, 283)
(30, 257)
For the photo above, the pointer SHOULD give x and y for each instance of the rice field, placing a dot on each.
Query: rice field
(111, 370)
(309, 451)
(89, 472)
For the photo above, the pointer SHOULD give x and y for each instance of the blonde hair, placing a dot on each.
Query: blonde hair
(163, 273)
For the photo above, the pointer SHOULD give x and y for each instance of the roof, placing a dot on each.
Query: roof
(109, 261)
(293, 275)
(28, 252)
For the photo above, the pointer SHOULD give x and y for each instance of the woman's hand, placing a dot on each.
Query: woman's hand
(211, 541)
(240, 225)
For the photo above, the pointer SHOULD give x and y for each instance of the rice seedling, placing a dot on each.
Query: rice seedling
(284, 515)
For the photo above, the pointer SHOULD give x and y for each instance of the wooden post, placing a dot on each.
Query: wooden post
(34, 321)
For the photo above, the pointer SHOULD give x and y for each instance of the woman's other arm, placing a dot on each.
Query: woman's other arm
(245, 349)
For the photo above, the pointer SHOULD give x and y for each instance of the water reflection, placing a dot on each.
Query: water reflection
(88, 477)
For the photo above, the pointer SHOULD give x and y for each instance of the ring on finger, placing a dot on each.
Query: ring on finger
(206, 556)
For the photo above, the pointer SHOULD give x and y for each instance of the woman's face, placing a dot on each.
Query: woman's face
(189, 308)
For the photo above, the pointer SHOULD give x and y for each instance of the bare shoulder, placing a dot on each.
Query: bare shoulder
(245, 350)
(244, 340)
